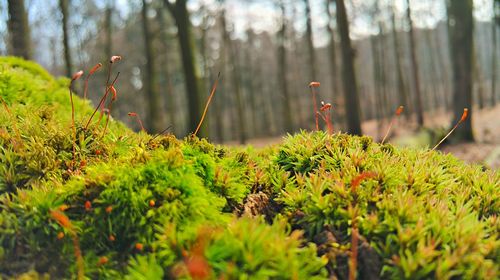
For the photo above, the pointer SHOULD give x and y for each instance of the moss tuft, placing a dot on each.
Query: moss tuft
(154, 207)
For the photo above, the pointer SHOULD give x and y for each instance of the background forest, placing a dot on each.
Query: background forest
(84, 196)
(267, 52)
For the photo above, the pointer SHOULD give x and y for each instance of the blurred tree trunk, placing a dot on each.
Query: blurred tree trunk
(108, 29)
(250, 77)
(310, 45)
(54, 54)
(378, 47)
(382, 66)
(376, 84)
(400, 84)
(332, 52)
(439, 71)
(496, 9)
(298, 86)
(477, 78)
(349, 75)
(282, 65)
(170, 96)
(63, 6)
(154, 122)
(236, 79)
(221, 102)
(240, 108)
(336, 98)
(444, 71)
(461, 26)
(207, 76)
(414, 65)
(494, 58)
(19, 29)
(265, 100)
(433, 74)
(180, 13)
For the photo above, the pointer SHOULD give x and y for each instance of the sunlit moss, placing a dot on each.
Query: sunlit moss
(192, 206)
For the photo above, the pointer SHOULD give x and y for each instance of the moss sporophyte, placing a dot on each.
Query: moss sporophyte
(317, 206)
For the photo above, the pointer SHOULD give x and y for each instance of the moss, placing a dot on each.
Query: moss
(155, 207)
(250, 247)
(421, 206)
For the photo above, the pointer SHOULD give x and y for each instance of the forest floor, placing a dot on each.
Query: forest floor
(486, 123)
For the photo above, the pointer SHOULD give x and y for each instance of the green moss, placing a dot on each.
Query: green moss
(426, 214)
(249, 247)
(191, 205)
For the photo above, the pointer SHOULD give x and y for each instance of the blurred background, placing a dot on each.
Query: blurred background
(434, 57)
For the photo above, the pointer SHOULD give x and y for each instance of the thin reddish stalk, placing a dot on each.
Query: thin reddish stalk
(86, 88)
(112, 60)
(321, 115)
(161, 133)
(212, 92)
(108, 112)
(355, 182)
(107, 119)
(102, 100)
(91, 72)
(353, 264)
(327, 118)
(313, 85)
(73, 127)
(329, 122)
(396, 114)
(140, 123)
(113, 98)
(75, 77)
(315, 107)
(136, 116)
(462, 119)
(107, 85)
